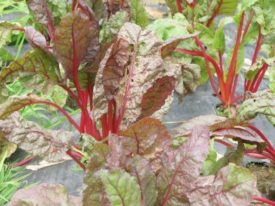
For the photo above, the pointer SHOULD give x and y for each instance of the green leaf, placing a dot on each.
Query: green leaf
(6, 29)
(272, 78)
(142, 170)
(210, 160)
(57, 95)
(121, 188)
(13, 104)
(98, 7)
(219, 39)
(228, 7)
(34, 62)
(110, 27)
(262, 102)
(246, 4)
(94, 194)
(203, 71)
(168, 28)
(6, 148)
(138, 13)
(252, 33)
(252, 72)
(172, 6)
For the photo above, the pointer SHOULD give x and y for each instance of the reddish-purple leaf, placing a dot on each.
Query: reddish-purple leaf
(181, 166)
(148, 135)
(76, 41)
(232, 185)
(239, 133)
(44, 195)
(35, 38)
(115, 67)
(141, 169)
(41, 12)
(155, 96)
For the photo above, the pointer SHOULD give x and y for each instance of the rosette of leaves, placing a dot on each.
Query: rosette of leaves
(145, 166)
(203, 11)
(113, 83)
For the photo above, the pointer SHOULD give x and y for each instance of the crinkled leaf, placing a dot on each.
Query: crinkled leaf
(252, 72)
(98, 7)
(147, 136)
(57, 95)
(111, 27)
(58, 8)
(94, 194)
(233, 185)
(141, 169)
(248, 3)
(98, 155)
(182, 166)
(76, 41)
(149, 66)
(40, 11)
(155, 96)
(187, 125)
(43, 195)
(210, 160)
(234, 154)
(191, 75)
(169, 46)
(121, 188)
(34, 62)
(6, 29)
(262, 102)
(49, 144)
(168, 28)
(35, 38)
(118, 154)
(115, 67)
(14, 103)
(138, 13)
(239, 133)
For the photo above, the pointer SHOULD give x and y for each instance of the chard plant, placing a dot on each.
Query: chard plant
(121, 75)
(99, 69)
(253, 25)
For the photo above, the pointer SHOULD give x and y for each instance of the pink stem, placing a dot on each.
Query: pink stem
(264, 200)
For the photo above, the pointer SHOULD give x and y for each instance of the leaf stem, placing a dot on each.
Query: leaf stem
(216, 12)
(179, 6)
(232, 68)
(264, 200)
